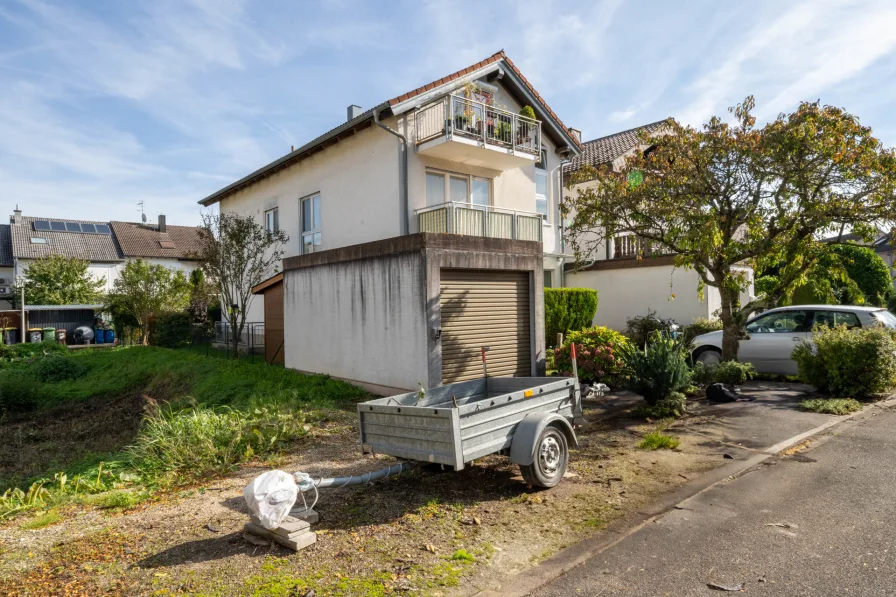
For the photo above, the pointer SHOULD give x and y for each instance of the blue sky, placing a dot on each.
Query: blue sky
(106, 103)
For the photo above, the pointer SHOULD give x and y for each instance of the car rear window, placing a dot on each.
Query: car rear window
(885, 317)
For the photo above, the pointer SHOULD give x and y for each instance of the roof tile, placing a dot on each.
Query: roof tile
(606, 149)
(91, 247)
(141, 240)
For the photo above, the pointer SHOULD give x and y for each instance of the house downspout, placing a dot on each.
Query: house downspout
(402, 171)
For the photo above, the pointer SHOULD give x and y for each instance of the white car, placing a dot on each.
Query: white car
(772, 336)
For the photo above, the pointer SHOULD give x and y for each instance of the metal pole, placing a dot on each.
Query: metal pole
(485, 349)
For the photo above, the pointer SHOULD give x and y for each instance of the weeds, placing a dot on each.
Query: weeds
(831, 406)
(42, 520)
(657, 441)
(462, 555)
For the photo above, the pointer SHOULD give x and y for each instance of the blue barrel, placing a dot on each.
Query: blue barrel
(110, 336)
(99, 336)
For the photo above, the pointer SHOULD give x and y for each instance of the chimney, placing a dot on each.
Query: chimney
(576, 133)
(163, 227)
(16, 216)
(352, 112)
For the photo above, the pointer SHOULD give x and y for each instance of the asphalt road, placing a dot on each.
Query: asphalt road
(818, 523)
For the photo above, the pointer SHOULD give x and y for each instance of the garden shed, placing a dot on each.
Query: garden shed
(272, 291)
(61, 317)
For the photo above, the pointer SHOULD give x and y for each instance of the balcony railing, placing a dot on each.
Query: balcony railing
(475, 220)
(454, 115)
(628, 246)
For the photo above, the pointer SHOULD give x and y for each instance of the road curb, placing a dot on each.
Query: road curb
(533, 578)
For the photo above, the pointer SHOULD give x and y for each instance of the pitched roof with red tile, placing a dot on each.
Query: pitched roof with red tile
(144, 240)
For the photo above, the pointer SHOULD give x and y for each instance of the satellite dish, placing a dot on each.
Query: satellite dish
(144, 217)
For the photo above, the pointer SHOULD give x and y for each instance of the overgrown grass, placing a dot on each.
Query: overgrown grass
(831, 406)
(658, 441)
(213, 415)
(42, 520)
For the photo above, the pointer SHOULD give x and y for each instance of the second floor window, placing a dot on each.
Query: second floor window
(272, 220)
(458, 188)
(541, 193)
(311, 224)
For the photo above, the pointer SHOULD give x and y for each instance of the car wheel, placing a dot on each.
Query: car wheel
(551, 458)
(708, 355)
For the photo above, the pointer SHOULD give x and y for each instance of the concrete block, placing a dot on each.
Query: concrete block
(294, 542)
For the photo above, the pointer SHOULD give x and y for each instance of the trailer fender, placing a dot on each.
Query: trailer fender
(522, 449)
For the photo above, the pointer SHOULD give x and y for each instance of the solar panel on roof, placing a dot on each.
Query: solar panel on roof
(72, 227)
(103, 229)
(41, 225)
(88, 228)
(57, 226)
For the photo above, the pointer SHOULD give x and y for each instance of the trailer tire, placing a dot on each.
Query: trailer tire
(551, 458)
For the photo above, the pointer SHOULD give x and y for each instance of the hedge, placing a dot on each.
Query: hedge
(567, 309)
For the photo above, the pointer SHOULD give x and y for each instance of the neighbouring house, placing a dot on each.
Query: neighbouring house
(630, 276)
(7, 270)
(421, 230)
(107, 246)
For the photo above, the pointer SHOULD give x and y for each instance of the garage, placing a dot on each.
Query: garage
(484, 308)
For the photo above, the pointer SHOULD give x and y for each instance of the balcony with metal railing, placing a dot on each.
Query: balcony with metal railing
(475, 220)
(463, 130)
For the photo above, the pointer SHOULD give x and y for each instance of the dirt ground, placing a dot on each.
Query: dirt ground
(427, 532)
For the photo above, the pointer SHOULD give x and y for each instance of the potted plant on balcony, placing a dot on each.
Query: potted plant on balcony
(524, 131)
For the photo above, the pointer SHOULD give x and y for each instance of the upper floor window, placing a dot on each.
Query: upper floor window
(311, 224)
(272, 220)
(458, 188)
(541, 193)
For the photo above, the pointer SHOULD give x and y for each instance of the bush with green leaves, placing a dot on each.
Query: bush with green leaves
(598, 350)
(528, 112)
(19, 391)
(728, 372)
(641, 327)
(59, 368)
(854, 363)
(171, 330)
(698, 327)
(567, 309)
(29, 351)
(659, 370)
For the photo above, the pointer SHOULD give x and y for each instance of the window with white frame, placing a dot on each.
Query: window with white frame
(541, 193)
(272, 220)
(458, 188)
(311, 224)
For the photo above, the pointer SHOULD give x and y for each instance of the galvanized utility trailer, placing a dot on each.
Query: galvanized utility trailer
(529, 419)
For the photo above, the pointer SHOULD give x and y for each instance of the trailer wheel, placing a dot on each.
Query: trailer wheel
(551, 458)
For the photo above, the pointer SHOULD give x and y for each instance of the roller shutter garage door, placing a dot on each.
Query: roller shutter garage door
(485, 308)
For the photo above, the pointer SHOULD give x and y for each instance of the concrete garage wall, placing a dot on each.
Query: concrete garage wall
(362, 320)
(366, 313)
(625, 292)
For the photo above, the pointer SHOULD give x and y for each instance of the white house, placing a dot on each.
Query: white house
(107, 246)
(454, 156)
(630, 280)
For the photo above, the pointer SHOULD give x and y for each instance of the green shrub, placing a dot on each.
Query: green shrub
(728, 372)
(673, 406)
(891, 302)
(597, 351)
(856, 363)
(567, 309)
(831, 406)
(59, 368)
(528, 112)
(657, 370)
(19, 391)
(30, 351)
(171, 330)
(698, 327)
(657, 441)
(640, 328)
(765, 284)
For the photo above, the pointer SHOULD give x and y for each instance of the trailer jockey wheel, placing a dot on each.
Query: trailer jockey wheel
(551, 457)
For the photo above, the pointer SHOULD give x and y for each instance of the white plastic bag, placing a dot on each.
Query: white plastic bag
(270, 497)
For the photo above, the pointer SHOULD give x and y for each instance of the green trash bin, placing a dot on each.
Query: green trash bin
(49, 334)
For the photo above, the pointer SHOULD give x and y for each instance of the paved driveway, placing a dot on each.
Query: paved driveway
(819, 522)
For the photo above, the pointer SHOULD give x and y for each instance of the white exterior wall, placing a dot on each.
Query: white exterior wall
(363, 321)
(627, 292)
(111, 271)
(358, 182)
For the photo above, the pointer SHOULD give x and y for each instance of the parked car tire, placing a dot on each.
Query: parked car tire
(551, 458)
(708, 355)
